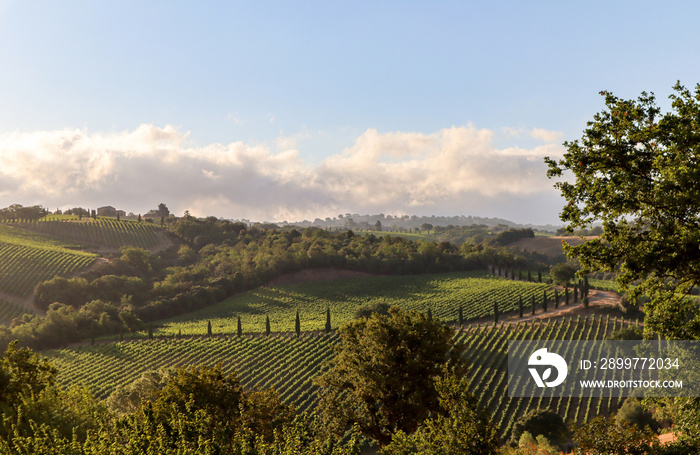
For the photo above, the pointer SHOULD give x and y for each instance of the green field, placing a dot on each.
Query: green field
(443, 293)
(97, 233)
(289, 364)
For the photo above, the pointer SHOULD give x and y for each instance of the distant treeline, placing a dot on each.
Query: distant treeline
(19, 212)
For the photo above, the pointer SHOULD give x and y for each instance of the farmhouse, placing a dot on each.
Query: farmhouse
(108, 210)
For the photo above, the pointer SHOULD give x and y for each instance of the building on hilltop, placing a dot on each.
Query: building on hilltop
(108, 210)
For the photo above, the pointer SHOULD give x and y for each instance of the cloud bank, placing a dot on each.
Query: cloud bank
(455, 170)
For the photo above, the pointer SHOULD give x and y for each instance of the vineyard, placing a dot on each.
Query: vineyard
(27, 259)
(443, 294)
(100, 232)
(9, 311)
(289, 364)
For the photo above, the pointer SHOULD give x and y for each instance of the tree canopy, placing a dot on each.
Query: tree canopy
(384, 376)
(636, 170)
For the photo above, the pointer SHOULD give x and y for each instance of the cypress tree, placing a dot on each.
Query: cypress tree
(239, 328)
(512, 274)
(533, 303)
(297, 324)
(566, 295)
(430, 314)
(556, 299)
(520, 306)
(179, 334)
(328, 320)
(267, 325)
(495, 312)
(575, 293)
(529, 275)
(544, 301)
(460, 316)
(539, 276)
(150, 331)
(209, 333)
(520, 274)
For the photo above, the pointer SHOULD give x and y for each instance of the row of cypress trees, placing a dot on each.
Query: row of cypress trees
(239, 326)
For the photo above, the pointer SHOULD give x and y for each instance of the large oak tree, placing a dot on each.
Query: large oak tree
(636, 169)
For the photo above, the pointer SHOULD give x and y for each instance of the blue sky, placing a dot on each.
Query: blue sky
(291, 110)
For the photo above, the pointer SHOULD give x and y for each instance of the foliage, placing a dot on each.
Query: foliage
(635, 170)
(634, 413)
(368, 310)
(627, 333)
(527, 445)
(602, 436)
(463, 429)
(563, 273)
(383, 378)
(541, 422)
(19, 212)
(512, 235)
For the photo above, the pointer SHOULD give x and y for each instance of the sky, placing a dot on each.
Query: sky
(274, 111)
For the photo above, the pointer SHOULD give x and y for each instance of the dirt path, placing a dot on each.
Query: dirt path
(597, 299)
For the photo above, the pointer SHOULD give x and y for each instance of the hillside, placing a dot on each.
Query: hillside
(443, 293)
(35, 251)
(289, 364)
(549, 246)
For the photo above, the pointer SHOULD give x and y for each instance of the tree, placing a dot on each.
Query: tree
(463, 429)
(544, 301)
(267, 324)
(602, 436)
(527, 445)
(635, 169)
(239, 327)
(520, 306)
(23, 374)
(297, 324)
(163, 210)
(541, 422)
(563, 273)
(328, 320)
(209, 332)
(383, 377)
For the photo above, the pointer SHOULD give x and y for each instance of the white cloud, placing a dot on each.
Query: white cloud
(547, 136)
(454, 170)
